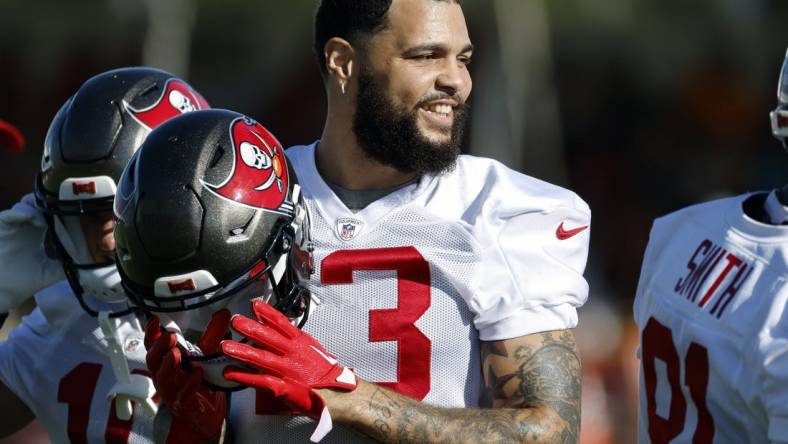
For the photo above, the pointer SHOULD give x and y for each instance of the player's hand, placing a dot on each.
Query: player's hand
(291, 363)
(197, 412)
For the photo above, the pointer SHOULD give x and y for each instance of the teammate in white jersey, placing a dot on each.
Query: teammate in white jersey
(447, 284)
(710, 308)
(76, 363)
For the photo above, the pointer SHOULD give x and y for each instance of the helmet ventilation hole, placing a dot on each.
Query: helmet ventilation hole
(217, 156)
(124, 254)
(241, 230)
(152, 87)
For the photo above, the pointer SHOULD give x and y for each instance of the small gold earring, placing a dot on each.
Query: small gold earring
(342, 88)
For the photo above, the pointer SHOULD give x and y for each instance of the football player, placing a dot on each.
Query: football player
(209, 219)
(710, 308)
(77, 363)
(448, 283)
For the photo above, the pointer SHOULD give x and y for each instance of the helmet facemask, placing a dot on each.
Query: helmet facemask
(275, 278)
(281, 266)
(63, 213)
(89, 141)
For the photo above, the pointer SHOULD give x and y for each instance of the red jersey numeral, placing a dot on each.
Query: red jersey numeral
(76, 389)
(657, 343)
(414, 349)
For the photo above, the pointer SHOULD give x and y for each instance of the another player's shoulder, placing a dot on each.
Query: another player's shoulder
(710, 213)
(489, 186)
(33, 325)
(715, 265)
(300, 155)
(23, 212)
(58, 305)
(698, 224)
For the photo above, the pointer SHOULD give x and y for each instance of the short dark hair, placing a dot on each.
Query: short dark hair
(352, 20)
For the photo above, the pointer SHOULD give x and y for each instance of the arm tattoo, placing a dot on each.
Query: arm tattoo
(532, 383)
(551, 375)
(545, 372)
(398, 419)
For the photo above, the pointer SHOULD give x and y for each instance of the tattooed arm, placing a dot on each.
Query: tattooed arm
(531, 382)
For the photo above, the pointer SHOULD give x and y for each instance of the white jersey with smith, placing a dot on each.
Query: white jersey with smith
(710, 308)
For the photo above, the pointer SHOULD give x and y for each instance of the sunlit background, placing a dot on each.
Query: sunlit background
(641, 107)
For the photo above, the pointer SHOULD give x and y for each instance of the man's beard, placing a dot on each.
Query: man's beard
(392, 137)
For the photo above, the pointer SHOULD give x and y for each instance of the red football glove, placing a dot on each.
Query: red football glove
(291, 363)
(197, 412)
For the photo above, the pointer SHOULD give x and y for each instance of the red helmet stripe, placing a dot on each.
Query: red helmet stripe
(178, 98)
(259, 177)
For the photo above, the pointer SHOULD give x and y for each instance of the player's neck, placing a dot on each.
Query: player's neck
(341, 161)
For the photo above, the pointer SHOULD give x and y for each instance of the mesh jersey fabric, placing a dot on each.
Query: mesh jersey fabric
(408, 286)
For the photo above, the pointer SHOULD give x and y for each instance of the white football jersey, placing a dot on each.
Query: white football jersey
(54, 361)
(408, 286)
(710, 309)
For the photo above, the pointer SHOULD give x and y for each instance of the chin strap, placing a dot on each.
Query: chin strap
(129, 388)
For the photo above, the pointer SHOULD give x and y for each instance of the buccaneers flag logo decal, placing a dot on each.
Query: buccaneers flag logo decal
(178, 98)
(259, 177)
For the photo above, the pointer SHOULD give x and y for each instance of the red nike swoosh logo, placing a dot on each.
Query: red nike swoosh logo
(562, 234)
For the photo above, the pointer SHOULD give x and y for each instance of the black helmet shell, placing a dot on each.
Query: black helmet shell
(210, 190)
(98, 129)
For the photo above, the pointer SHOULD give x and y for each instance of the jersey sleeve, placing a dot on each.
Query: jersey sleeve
(773, 351)
(24, 266)
(531, 276)
(18, 356)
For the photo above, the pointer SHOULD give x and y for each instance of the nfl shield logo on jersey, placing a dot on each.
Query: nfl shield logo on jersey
(348, 228)
(132, 344)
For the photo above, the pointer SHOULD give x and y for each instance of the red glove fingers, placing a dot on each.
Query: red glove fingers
(291, 363)
(299, 398)
(298, 364)
(262, 334)
(264, 360)
(165, 379)
(155, 356)
(152, 331)
(197, 412)
(210, 342)
(273, 318)
(269, 383)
